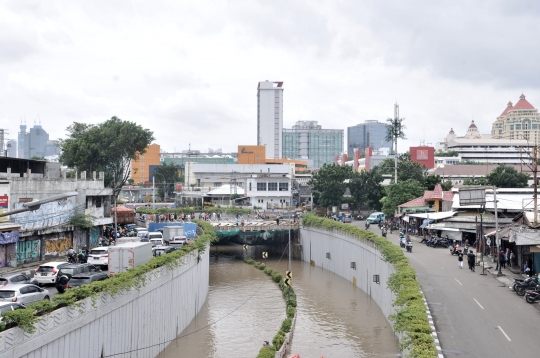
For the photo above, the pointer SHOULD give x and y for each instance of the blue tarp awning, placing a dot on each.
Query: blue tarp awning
(425, 223)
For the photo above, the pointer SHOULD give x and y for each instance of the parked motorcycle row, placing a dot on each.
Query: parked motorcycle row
(435, 241)
(528, 287)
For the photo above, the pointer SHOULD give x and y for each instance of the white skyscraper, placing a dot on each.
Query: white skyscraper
(270, 117)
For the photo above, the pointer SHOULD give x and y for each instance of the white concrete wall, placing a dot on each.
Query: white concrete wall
(343, 250)
(154, 314)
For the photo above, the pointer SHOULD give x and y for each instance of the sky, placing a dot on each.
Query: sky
(188, 70)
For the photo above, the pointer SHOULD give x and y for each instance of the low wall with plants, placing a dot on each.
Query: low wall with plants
(360, 256)
(284, 335)
(134, 313)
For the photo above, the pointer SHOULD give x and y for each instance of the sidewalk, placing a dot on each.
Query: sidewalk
(29, 268)
(507, 276)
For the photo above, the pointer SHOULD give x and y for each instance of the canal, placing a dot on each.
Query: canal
(245, 307)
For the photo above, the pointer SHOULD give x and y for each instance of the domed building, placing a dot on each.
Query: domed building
(519, 121)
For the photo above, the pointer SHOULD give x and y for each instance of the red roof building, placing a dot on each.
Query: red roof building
(438, 199)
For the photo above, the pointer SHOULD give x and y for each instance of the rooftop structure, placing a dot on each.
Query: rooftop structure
(519, 121)
(270, 117)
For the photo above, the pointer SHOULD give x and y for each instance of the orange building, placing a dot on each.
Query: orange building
(140, 169)
(256, 154)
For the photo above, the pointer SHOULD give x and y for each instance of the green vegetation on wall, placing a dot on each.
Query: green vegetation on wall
(410, 317)
(27, 318)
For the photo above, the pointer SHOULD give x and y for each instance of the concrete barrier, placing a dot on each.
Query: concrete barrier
(139, 323)
(336, 250)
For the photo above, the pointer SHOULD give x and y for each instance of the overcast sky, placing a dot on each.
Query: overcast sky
(189, 70)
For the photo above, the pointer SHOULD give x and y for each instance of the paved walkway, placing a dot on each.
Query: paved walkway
(30, 267)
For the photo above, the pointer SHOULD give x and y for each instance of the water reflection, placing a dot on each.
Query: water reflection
(244, 308)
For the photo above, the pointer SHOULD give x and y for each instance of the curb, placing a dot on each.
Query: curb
(434, 333)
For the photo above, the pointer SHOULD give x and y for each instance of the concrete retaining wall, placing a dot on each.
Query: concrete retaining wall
(344, 249)
(140, 322)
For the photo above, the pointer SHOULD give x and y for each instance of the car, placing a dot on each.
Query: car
(46, 273)
(99, 256)
(143, 234)
(86, 279)
(178, 241)
(156, 242)
(17, 278)
(375, 218)
(10, 306)
(131, 227)
(162, 250)
(23, 293)
(66, 272)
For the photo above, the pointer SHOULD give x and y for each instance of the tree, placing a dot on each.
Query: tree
(476, 181)
(447, 185)
(35, 157)
(109, 147)
(165, 176)
(366, 188)
(450, 153)
(394, 131)
(329, 181)
(407, 169)
(399, 193)
(507, 177)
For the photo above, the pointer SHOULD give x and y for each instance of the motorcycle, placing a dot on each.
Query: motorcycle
(402, 241)
(384, 233)
(521, 286)
(454, 250)
(532, 296)
(367, 225)
(360, 217)
(409, 247)
(82, 258)
(72, 259)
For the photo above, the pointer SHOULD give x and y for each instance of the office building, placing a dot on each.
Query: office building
(140, 169)
(11, 147)
(368, 134)
(270, 117)
(519, 121)
(307, 140)
(256, 154)
(32, 143)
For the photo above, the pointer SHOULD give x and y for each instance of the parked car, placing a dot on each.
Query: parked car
(9, 306)
(46, 273)
(99, 256)
(66, 272)
(86, 279)
(178, 241)
(24, 293)
(162, 250)
(16, 278)
(345, 218)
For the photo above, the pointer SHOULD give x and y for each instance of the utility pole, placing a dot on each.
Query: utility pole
(535, 185)
(396, 119)
(153, 192)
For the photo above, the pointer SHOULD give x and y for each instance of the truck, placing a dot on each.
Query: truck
(171, 231)
(124, 239)
(128, 255)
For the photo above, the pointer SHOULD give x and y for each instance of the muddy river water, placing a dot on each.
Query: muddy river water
(245, 307)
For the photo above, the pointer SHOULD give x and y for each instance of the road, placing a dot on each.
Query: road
(474, 315)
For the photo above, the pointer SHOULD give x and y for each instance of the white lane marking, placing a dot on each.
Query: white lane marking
(458, 281)
(505, 334)
(478, 303)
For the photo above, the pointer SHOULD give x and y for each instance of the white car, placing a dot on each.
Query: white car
(23, 294)
(157, 242)
(46, 273)
(178, 241)
(99, 256)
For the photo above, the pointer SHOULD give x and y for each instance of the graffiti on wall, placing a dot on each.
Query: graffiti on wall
(49, 214)
(79, 239)
(58, 246)
(94, 237)
(8, 255)
(28, 250)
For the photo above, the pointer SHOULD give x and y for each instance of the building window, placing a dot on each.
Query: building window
(283, 186)
(261, 186)
(249, 186)
(518, 126)
(511, 127)
(98, 201)
(217, 183)
(272, 186)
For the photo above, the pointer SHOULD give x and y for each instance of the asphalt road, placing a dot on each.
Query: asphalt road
(474, 315)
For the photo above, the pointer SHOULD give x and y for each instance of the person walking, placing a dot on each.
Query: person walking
(470, 260)
(460, 259)
(502, 260)
(512, 258)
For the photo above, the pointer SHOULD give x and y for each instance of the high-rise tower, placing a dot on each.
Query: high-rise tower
(270, 117)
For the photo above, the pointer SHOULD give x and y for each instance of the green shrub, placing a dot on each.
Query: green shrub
(249, 261)
(277, 277)
(286, 325)
(291, 311)
(410, 317)
(24, 318)
(278, 340)
(267, 352)
(268, 271)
